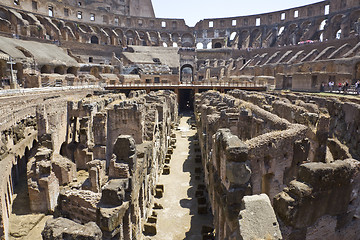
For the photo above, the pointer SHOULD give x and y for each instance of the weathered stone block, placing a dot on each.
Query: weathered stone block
(150, 229)
(113, 193)
(62, 228)
(64, 169)
(257, 219)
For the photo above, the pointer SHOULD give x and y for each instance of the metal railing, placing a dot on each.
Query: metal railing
(185, 84)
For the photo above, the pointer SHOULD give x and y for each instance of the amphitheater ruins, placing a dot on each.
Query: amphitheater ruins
(116, 124)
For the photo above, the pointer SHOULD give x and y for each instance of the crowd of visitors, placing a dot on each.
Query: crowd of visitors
(341, 87)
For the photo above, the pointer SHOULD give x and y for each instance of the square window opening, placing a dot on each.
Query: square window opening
(327, 9)
(283, 16)
(296, 14)
(258, 22)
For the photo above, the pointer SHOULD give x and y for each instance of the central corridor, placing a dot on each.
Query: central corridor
(179, 218)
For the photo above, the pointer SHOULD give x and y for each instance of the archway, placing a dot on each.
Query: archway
(45, 69)
(94, 40)
(186, 100)
(72, 70)
(187, 74)
(59, 70)
(338, 34)
(217, 45)
(199, 45)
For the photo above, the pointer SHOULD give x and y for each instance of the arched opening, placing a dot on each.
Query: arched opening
(338, 34)
(94, 40)
(71, 70)
(45, 69)
(187, 40)
(175, 44)
(217, 45)
(209, 45)
(164, 44)
(322, 25)
(199, 46)
(186, 74)
(94, 71)
(59, 70)
(281, 30)
(232, 36)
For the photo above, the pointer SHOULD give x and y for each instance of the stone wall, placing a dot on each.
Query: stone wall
(122, 144)
(20, 127)
(279, 144)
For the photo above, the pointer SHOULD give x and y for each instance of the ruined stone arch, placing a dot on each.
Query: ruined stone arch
(72, 70)
(187, 40)
(294, 33)
(244, 41)
(175, 37)
(5, 24)
(255, 40)
(36, 31)
(121, 36)
(165, 38)
(94, 39)
(154, 38)
(4, 13)
(304, 30)
(46, 69)
(48, 28)
(109, 36)
(233, 35)
(130, 37)
(270, 38)
(143, 38)
(354, 20)
(84, 28)
(60, 70)
(336, 25)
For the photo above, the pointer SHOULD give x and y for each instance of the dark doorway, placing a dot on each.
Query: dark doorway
(217, 45)
(94, 40)
(287, 82)
(186, 100)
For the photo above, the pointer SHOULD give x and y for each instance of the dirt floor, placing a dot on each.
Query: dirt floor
(23, 223)
(179, 218)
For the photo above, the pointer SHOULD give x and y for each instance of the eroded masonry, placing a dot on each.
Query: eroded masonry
(300, 150)
(98, 99)
(275, 165)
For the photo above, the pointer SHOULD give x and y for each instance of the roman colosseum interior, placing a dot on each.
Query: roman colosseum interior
(116, 124)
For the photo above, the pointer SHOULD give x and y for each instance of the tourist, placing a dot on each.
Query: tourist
(322, 87)
(339, 87)
(331, 86)
(345, 86)
(357, 87)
